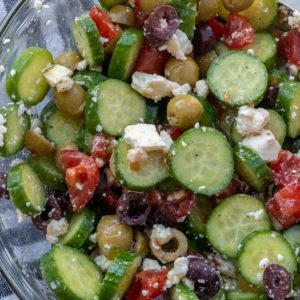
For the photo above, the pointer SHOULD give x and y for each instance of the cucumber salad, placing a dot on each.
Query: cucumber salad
(167, 164)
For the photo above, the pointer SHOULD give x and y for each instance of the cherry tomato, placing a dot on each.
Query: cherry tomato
(82, 176)
(233, 188)
(147, 285)
(139, 13)
(286, 168)
(106, 28)
(102, 149)
(217, 27)
(151, 60)
(289, 46)
(238, 32)
(174, 132)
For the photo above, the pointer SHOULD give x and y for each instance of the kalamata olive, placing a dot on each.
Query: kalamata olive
(141, 244)
(71, 102)
(184, 111)
(57, 157)
(204, 62)
(37, 143)
(182, 71)
(161, 24)
(162, 217)
(237, 5)
(277, 282)
(270, 97)
(3, 186)
(122, 15)
(147, 6)
(204, 39)
(68, 59)
(207, 9)
(133, 208)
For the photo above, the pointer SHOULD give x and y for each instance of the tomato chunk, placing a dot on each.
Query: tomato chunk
(102, 149)
(82, 177)
(238, 32)
(147, 285)
(217, 27)
(286, 168)
(106, 28)
(289, 46)
(140, 15)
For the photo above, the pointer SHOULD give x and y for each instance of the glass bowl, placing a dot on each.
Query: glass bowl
(21, 244)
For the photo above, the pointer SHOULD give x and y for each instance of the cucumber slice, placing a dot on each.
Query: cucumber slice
(239, 295)
(119, 276)
(288, 106)
(225, 122)
(110, 3)
(252, 168)
(81, 225)
(26, 81)
(16, 129)
(187, 12)
(84, 140)
(228, 79)
(87, 40)
(234, 219)
(89, 79)
(277, 76)
(265, 48)
(125, 54)
(292, 235)
(209, 115)
(46, 169)
(26, 189)
(267, 246)
(277, 126)
(182, 292)
(201, 160)
(114, 105)
(58, 127)
(150, 172)
(70, 274)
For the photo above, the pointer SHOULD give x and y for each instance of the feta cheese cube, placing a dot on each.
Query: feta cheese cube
(251, 120)
(154, 86)
(182, 90)
(82, 65)
(201, 88)
(55, 229)
(264, 144)
(294, 20)
(150, 264)
(137, 155)
(166, 138)
(65, 85)
(175, 275)
(144, 136)
(160, 235)
(56, 74)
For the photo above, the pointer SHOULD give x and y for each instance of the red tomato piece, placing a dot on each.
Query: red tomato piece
(140, 15)
(217, 27)
(102, 149)
(151, 60)
(238, 32)
(106, 28)
(82, 176)
(286, 168)
(289, 46)
(147, 285)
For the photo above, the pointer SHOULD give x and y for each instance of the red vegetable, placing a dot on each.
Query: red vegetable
(289, 46)
(140, 15)
(217, 27)
(82, 176)
(174, 132)
(238, 32)
(147, 285)
(233, 188)
(102, 149)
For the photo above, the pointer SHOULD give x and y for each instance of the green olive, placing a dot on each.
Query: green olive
(182, 71)
(113, 236)
(122, 15)
(207, 9)
(71, 102)
(68, 59)
(57, 157)
(148, 5)
(204, 62)
(141, 244)
(184, 111)
(237, 5)
(37, 143)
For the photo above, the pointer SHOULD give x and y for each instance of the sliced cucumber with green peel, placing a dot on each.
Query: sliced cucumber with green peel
(125, 54)
(25, 81)
(201, 160)
(81, 225)
(292, 235)
(119, 276)
(26, 189)
(114, 105)
(233, 220)
(252, 168)
(182, 292)
(89, 79)
(87, 40)
(84, 140)
(239, 295)
(209, 115)
(225, 122)
(277, 126)
(46, 169)
(228, 79)
(150, 172)
(16, 127)
(267, 246)
(221, 48)
(277, 76)
(288, 106)
(71, 274)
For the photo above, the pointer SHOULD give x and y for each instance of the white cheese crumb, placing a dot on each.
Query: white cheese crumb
(257, 215)
(182, 90)
(104, 40)
(145, 292)
(294, 20)
(263, 263)
(55, 229)
(292, 69)
(12, 72)
(189, 283)
(5, 41)
(150, 264)
(160, 235)
(82, 65)
(56, 74)
(2, 69)
(137, 155)
(175, 275)
(21, 109)
(53, 285)
(166, 138)
(38, 4)
(201, 88)
(65, 85)
(279, 257)
(93, 238)
(251, 51)
(103, 262)
(3, 130)
(99, 128)
(197, 125)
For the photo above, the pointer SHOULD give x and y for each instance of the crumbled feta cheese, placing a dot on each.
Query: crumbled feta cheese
(292, 69)
(175, 275)
(144, 136)
(150, 264)
(294, 20)
(65, 85)
(21, 109)
(225, 266)
(189, 283)
(5, 41)
(3, 130)
(137, 155)
(82, 65)
(279, 257)
(38, 4)
(197, 125)
(201, 88)
(154, 86)
(55, 229)
(103, 262)
(264, 144)
(104, 40)
(263, 263)
(182, 90)
(257, 215)
(99, 128)
(177, 196)
(160, 235)
(12, 72)
(100, 162)
(145, 292)
(56, 74)
(166, 138)
(2, 69)
(179, 45)
(251, 51)
(251, 120)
